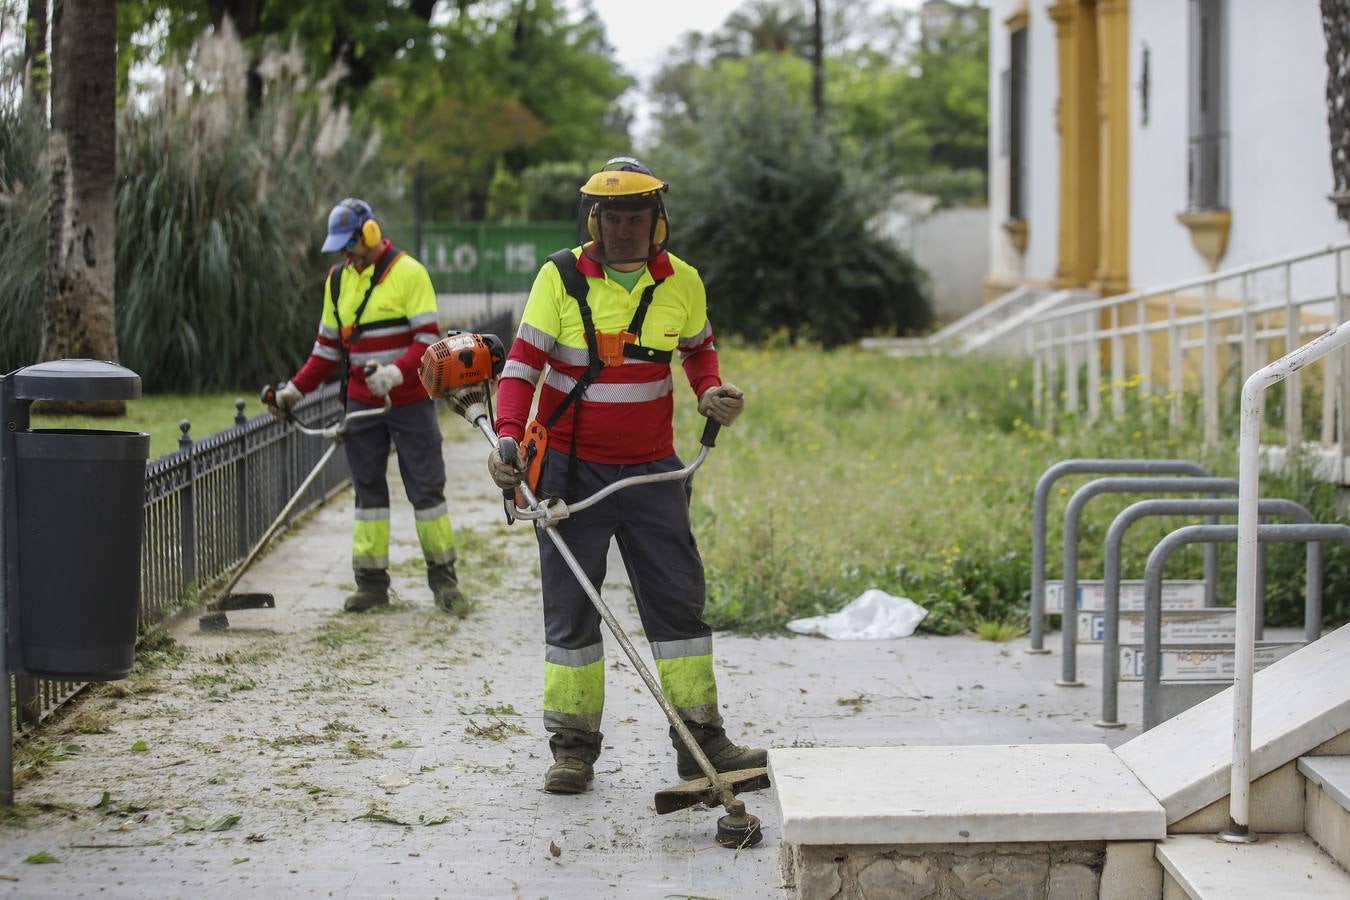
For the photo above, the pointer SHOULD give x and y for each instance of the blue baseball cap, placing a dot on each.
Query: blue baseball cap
(345, 221)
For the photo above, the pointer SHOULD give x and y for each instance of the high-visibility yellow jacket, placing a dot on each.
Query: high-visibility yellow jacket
(627, 411)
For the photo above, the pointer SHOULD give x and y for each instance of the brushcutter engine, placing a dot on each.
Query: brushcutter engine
(460, 369)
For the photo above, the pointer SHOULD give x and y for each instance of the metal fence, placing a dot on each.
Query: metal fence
(1200, 338)
(206, 504)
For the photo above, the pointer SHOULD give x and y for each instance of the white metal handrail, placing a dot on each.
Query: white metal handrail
(1249, 476)
(1264, 310)
(1203, 280)
(950, 337)
(1011, 332)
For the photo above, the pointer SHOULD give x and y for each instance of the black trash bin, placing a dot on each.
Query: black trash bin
(77, 509)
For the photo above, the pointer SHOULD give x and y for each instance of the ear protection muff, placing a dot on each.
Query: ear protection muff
(371, 235)
(660, 226)
(593, 222)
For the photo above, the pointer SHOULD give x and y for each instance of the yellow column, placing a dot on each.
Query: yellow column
(1075, 31)
(1113, 40)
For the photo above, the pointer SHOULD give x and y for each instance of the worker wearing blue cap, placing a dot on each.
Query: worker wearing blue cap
(379, 316)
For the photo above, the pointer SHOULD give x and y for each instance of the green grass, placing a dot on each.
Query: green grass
(998, 632)
(159, 415)
(852, 470)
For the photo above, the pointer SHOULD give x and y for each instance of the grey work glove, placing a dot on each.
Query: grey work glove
(286, 397)
(384, 379)
(722, 404)
(504, 474)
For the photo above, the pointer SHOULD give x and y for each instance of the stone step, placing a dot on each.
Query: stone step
(1199, 660)
(1176, 594)
(1326, 813)
(1284, 866)
(955, 795)
(1299, 703)
(1211, 623)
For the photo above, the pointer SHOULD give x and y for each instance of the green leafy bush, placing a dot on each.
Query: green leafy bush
(24, 191)
(220, 212)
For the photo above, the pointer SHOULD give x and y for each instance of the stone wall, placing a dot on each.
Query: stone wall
(1032, 871)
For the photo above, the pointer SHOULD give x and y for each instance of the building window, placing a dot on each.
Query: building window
(1015, 128)
(1207, 157)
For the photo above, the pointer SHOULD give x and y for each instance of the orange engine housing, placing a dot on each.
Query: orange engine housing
(460, 360)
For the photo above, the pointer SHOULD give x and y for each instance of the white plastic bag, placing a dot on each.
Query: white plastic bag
(875, 615)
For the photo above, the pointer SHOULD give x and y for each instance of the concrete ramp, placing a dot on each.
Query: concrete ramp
(1298, 703)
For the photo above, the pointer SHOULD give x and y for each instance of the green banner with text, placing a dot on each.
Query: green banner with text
(479, 258)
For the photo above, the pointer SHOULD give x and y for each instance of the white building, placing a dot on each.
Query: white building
(1135, 143)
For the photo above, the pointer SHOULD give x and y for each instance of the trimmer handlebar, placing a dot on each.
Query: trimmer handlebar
(556, 510)
(710, 429)
(268, 397)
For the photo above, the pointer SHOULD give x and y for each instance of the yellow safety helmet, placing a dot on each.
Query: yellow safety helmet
(623, 183)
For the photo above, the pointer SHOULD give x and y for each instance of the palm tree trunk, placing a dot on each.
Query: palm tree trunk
(1336, 27)
(818, 63)
(78, 317)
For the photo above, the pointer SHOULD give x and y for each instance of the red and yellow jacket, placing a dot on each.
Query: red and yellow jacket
(627, 411)
(397, 326)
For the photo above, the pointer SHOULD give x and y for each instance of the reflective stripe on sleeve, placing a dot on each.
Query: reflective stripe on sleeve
(536, 337)
(325, 352)
(516, 369)
(689, 343)
(383, 357)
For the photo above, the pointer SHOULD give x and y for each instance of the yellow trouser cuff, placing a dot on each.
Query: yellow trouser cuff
(574, 690)
(688, 681)
(437, 539)
(370, 539)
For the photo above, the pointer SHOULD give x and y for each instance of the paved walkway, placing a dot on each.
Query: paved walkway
(309, 753)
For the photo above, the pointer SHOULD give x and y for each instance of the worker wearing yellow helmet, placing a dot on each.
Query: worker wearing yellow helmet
(601, 326)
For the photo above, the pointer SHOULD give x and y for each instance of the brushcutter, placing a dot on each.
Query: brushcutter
(452, 369)
(214, 619)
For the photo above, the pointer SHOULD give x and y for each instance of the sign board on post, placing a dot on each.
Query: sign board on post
(484, 258)
(1178, 594)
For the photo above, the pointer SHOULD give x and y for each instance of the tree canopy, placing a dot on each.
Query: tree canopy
(776, 215)
(473, 88)
(912, 104)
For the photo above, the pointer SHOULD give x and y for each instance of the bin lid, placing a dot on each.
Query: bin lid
(76, 379)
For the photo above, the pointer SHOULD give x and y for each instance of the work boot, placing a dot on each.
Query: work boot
(568, 775)
(730, 758)
(372, 590)
(445, 589)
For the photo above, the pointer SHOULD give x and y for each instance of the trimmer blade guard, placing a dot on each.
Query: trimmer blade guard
(701, 790)
(246, 600)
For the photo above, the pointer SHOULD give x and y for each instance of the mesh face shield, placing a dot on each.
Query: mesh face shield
(622, 185)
